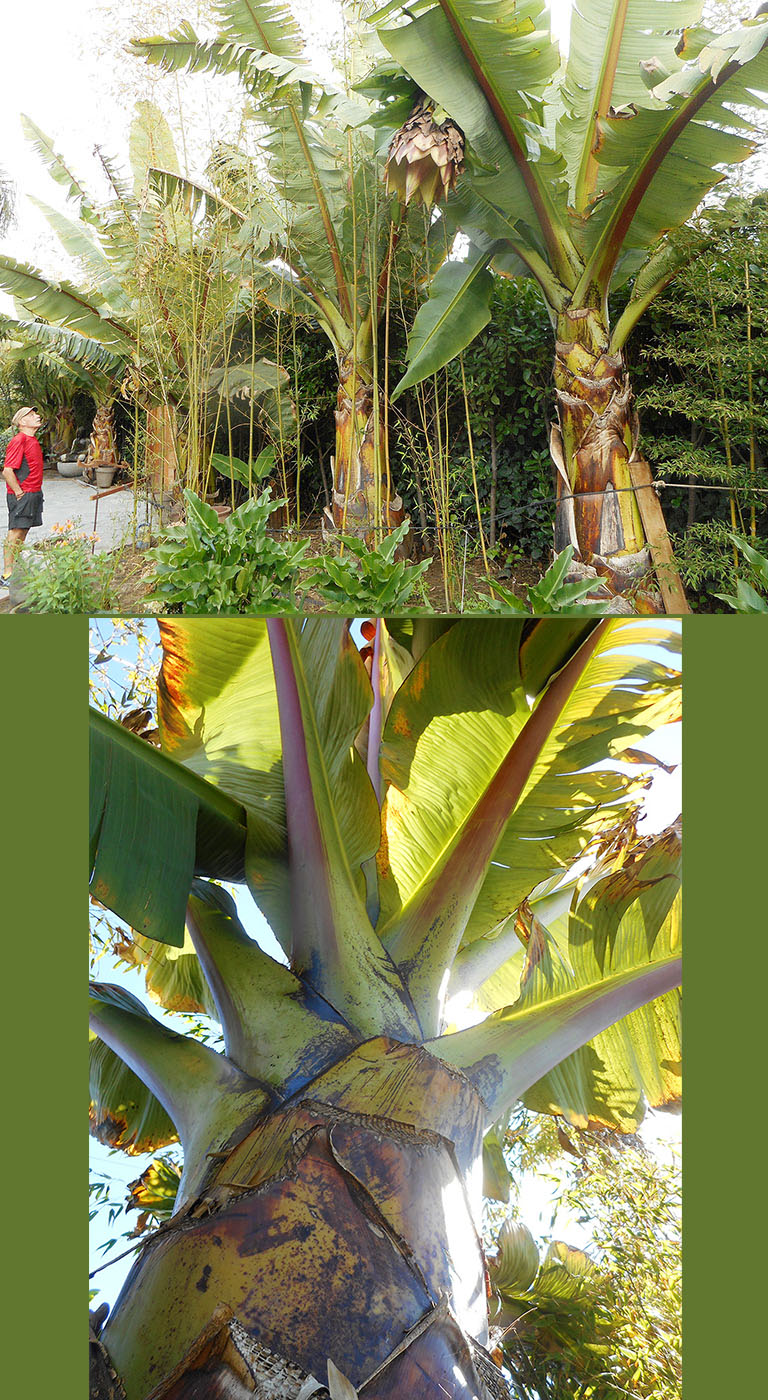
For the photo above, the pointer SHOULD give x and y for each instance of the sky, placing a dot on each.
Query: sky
(66, 68)
(72, 79)
(660, 1131)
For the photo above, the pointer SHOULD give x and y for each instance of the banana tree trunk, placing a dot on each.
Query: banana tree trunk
(592, 444)
(162, 451)
(343, 1225)
(362, 496)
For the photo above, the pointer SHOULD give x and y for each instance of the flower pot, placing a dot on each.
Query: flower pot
(69, 468)
(104, 477)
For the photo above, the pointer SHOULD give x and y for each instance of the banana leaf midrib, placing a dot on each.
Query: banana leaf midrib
(587, 174)
(553, 230)
(601, 265)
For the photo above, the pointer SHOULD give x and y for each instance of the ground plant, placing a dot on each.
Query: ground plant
(551, 595)
(229, 564)
(366, 579)
(66, 574)
(605, 1320)
(406, 819)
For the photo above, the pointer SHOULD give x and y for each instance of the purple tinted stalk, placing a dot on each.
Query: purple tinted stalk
(376, 719)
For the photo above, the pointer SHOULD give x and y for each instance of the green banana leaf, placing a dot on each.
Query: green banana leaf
(624, 931)
(175, 825)
(459, 306)
(458, 712)
(63, 304)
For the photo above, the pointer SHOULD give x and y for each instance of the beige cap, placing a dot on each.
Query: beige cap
(19, 414)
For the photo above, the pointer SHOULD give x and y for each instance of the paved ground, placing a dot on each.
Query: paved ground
(114, 518)
(68, 498)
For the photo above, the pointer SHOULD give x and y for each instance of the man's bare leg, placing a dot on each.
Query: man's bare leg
(13, 542)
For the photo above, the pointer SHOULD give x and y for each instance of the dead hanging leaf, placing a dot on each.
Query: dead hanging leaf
(565, 1142)
(640, 756)
(139, 722)
(338, 1386)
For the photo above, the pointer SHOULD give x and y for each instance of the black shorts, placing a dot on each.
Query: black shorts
(25, 511)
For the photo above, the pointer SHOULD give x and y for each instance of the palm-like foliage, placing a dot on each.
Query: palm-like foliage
(322, 235)
(389, 830)
(578, 176)
(155, 311)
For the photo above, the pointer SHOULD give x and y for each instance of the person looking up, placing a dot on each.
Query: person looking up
(23, 472)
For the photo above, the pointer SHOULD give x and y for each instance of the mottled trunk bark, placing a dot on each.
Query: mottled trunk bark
(162, 451)
(362, 497)
(341, 1226)
(592, 443)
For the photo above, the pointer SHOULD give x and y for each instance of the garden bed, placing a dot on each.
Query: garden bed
(133, 579)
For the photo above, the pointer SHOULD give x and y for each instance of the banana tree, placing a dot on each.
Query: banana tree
(389, 816)
(323, 236)
(578, 175)
(152, 312)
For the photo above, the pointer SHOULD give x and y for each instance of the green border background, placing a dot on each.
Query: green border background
(725, 807)
(44, 668)
(44, 810)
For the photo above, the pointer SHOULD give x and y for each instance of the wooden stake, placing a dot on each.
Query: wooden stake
(651, 514)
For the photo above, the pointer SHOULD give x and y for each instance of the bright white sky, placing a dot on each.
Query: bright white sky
(65, 69)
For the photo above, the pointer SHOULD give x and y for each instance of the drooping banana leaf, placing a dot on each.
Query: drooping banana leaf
(459, 306)
(175, 824)
(609, 41)
(666, 157)
(57, 167)
(81, 243)
(63, 304)
(489, 70)
(70, 346)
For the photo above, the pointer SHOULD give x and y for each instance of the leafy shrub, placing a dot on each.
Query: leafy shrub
(746, 599)
(550, 595)
(63, 576)
(232, 565)
(370, 580)
(246, 473)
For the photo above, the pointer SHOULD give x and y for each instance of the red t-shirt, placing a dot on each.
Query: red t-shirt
(23, 445)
